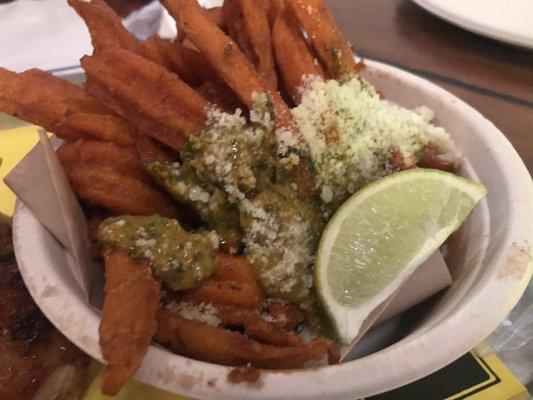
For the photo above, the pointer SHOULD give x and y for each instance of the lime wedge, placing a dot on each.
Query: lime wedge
(380, 235)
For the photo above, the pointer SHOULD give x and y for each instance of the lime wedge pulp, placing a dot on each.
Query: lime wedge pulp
(380, 235)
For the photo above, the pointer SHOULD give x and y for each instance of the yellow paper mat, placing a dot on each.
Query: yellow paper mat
(14, 144)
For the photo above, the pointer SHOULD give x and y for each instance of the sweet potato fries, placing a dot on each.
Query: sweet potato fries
(140, 103)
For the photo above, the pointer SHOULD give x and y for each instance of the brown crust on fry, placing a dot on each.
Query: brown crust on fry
(431, 159)
(232, 284)
(129, 111)
(45, 100)
(258, 32)
(234, 21)
(225, 56)
(128, 317)
(334, 51)
(149, 151)
(248, 25)
(293, 57)
(123, 195)
(108, 128)
(198, 63)
(215, 15)
(284, 315)
(256, 327)
(220, 50)
(234, 268)
(105, 26)
(157, 101)
(227, 293)
(123, 160)
(214, 344)
(173, 57)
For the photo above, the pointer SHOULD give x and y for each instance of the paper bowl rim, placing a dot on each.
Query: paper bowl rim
(363, 377)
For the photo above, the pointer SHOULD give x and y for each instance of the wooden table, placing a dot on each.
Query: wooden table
(495, 78)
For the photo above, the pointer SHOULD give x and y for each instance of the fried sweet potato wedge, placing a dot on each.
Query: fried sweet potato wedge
(150, 152)
(293, 57)
(232, 284)
(105, 26)
(234, 269)
(216, 16)
(124, 195)
(257, 327)
(218, 345)
(236, 294)
(123, 160)
(128, 321)
(45, 100)
(284, 315)
(107, 128)
(172, 57)
(225, 56)
(156, 101)
(219, 49)
(334, 51)
(247, 23)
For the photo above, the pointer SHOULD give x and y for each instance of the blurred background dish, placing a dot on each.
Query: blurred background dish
(51, 36)
(507, 21)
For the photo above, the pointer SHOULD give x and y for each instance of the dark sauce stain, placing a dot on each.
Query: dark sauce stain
(247, 375)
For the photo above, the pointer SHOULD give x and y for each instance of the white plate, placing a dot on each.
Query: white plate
(509, 21)
(490, 261)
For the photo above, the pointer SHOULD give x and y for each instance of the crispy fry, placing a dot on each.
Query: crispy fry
(228, 293)
(235, 269)
(256, 327)
(143, 125)
(220, 95)
(216, 17)
(157, 101)
(226, 58)
(199, 63)
(165, 90)
(155, 50)
(294, 59)
(102, 186)
(248, 24)
(128, 317)
(215, 344)
(108, 128)
(43, 99)
(334, 51)
(219, 49)
(284, 315)
(149, 151)
(234, 21)
(105, 26)
(171, 56)
(270, 8)
(232, 284)
(431, 159)
(123, 160)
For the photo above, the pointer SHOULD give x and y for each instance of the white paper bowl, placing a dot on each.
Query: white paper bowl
(490, 259)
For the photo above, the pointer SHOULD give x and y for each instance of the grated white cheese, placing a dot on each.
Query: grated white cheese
(353, 134)
(202, 312)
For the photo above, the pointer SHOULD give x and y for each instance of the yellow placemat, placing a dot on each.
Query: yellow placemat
(14, 144)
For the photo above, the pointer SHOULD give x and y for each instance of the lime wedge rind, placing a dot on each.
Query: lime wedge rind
(348, 319)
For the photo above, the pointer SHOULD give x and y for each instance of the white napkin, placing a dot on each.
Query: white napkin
(49, 35)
